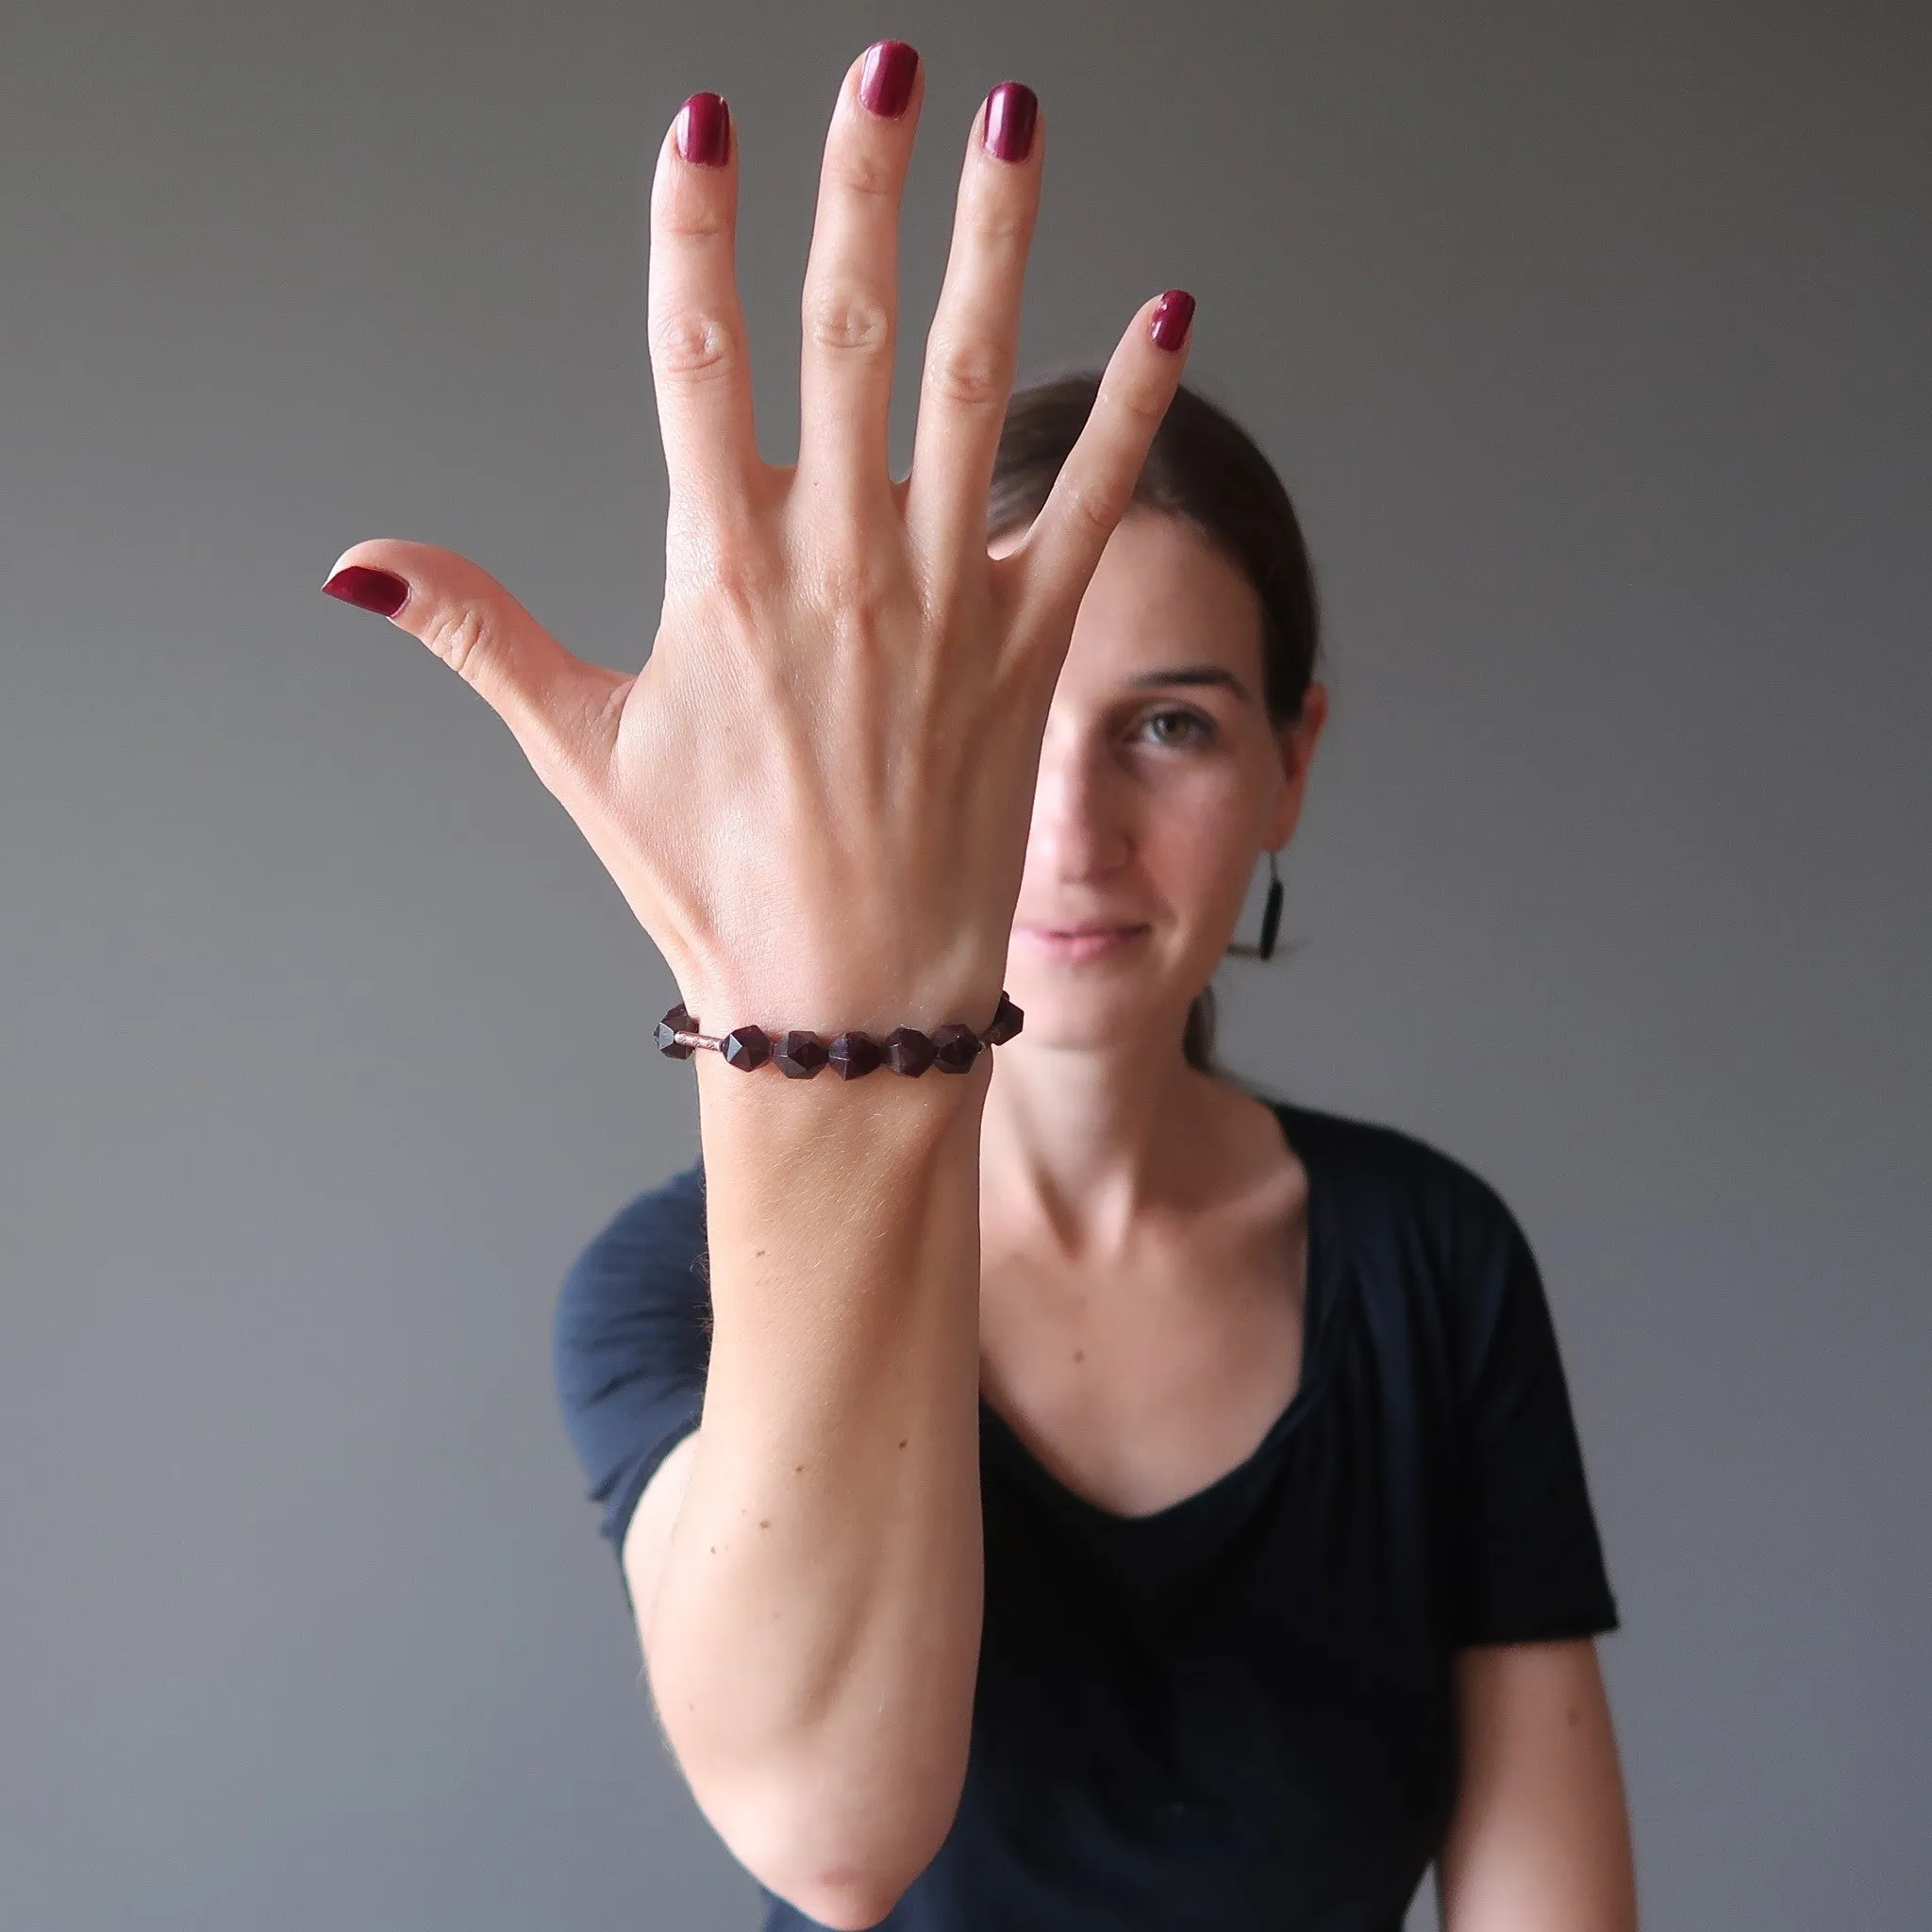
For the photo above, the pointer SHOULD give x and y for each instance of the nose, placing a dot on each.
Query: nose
(1080, 829)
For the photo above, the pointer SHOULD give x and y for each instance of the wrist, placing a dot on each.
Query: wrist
(883, 1112)
(852, 1049)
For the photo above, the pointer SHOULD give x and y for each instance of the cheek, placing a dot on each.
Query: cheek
(1192, 828)
(1198, 838)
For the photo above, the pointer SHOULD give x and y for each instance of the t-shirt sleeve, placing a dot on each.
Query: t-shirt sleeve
(1528, 1563)
(632, 1343)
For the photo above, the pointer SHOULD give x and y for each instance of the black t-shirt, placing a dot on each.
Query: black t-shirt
(1234, 1714)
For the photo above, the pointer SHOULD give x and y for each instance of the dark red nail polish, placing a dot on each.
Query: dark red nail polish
(379, 591)
(1172, 315)
(1012, 109)
(703, 130)
(885, 82)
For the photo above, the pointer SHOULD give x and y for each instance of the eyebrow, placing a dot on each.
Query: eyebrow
(1192, 674)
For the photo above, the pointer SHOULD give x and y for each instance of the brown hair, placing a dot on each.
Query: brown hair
(1206, 467)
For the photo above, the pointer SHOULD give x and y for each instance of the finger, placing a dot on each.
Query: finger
(1057, 560)
(560, 710)
(974, 344)
(699, 361)
(850, 306)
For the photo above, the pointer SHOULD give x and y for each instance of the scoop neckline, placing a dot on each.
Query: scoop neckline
(1319, 1324)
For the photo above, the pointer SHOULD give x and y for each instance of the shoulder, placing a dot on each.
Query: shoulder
(1377, 1171)
(632, 1342)
(1423, 1244)
(647, 1260)
(664, 1221)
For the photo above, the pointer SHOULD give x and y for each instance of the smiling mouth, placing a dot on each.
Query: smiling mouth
(1080, 942)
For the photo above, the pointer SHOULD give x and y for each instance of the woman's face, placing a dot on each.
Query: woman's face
(1162, 780)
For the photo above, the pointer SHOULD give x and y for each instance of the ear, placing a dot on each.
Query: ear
(1297, 740)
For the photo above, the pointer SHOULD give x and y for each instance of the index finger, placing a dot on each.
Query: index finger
(1056, 561)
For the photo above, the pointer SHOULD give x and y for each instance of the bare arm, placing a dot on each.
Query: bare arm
(809, 1606)
(815, 796)
(1541, 1837)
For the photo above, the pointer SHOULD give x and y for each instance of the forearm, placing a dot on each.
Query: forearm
(814, 1640)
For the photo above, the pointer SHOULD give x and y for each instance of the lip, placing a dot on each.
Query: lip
(1073, 944)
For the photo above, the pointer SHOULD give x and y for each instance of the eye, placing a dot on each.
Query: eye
(1195, 727)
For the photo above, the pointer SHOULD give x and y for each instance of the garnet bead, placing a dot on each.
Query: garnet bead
(908, 1052)
(856, 1054)
(1007, 1021)
(800, 1055)
(746, 1047)
(955, 1047)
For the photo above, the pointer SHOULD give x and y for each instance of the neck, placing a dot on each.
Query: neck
(1078, 1143)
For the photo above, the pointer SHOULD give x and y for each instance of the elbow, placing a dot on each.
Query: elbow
(849, 1896)
(844, 1868)
(842, 1902)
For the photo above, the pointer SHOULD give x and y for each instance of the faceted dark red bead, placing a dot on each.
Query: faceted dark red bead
(908, 1052)
(1007, 1021)
(856, 1054)
(676, 1020)
(800, 1055)
(955, 1047)
(746, 1047)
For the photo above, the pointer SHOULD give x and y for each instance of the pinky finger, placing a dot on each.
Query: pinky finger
(1062, 550)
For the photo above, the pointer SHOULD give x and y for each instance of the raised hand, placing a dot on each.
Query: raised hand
(815, 794)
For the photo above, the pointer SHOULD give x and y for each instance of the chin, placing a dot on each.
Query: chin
(1073, 1011)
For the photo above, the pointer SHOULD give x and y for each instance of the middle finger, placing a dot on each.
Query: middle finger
(974, 340)
(850, 310)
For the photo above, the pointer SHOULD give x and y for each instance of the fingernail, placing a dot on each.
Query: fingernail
(379, 591)
(885, 82)
(1172, 315)
(703, 130)
(1012, 109)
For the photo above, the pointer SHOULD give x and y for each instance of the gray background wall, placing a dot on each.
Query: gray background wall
(1592, 342)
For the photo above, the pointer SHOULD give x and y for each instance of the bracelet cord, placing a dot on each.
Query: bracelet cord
(800, 1054)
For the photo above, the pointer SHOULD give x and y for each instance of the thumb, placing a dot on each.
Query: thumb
(560, 710)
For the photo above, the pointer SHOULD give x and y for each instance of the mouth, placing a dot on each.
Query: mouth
(1075, 943)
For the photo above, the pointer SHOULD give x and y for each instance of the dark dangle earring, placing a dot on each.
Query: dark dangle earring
(1271, 912)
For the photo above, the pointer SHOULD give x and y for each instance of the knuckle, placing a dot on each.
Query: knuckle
(849, 321)
(973, 374)
(833, 567)
(691, 212)
(460, 634)
(1142, 402)
(846, 584)
(735, 583)
(856, 168)
(1095, 504)
(693, 345)
(693, 221)
(1001, 223)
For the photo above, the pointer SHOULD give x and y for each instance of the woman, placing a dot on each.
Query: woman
(1099, 1497)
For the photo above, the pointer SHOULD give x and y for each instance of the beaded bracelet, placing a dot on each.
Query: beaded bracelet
(952, 1049)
